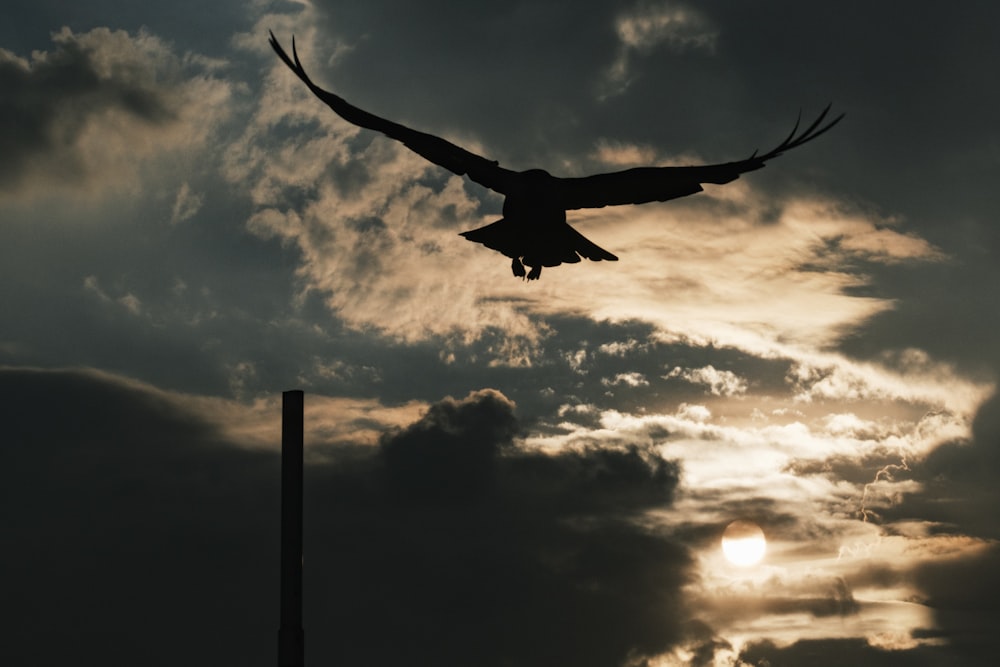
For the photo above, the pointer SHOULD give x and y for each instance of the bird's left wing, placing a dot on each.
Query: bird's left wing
(437, 150)
(648, 184)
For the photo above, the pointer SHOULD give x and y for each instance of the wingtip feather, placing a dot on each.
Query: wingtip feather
(796, 138)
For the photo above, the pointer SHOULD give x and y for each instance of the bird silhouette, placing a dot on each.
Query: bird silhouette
(533, 231)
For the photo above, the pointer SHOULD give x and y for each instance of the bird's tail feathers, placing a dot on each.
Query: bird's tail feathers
(499, 236)
(551, 249)
(587, 248)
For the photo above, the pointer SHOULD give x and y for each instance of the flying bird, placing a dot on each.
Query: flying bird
(533, 231)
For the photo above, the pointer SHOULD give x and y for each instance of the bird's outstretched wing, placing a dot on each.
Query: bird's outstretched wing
(437, 150)
(647, 184)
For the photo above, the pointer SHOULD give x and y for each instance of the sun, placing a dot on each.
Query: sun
(743, 543)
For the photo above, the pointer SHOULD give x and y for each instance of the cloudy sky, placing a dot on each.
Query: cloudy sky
(499, 472)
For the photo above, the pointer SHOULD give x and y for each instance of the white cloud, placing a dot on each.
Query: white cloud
(849, 424)
(719, 383)
(727, 454)
(632, 379)
(820, 540)
(621, 348)
(704, 272)
(186, 204)
(694, 413)
(131, 303)
(826, 377)
(616, 154)
(826, 531)
(579, 409)
(576, 360)
(670, 23)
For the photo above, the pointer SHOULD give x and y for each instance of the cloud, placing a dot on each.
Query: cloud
(617, 154)
(480, 545)
(719, 383)
(823, 652)
(186, 205)
(714, 104)
(676, 26)
(920, 581)
(621, 348)
(86, 115)
(671, 23)
(825, 377)
(374, 225)
(699, 269)
(449, 455)
(632, 379)
(958, 485)
(816, 482)
(965, 594)
(129, 301)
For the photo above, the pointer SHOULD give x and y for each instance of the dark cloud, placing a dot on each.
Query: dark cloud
(457, 547)
(959, 493)
(964, 592)
(958, 480)
(941, 307)
(837, 652)
(528, 73)
(138, 527)
(859, 469)
(33, 22)
(450, 455)
(876, 576)
(49, 102)
(817, 597)
(137, 536)
(499, 72)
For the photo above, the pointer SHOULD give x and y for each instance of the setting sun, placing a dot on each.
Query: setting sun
(743, 543)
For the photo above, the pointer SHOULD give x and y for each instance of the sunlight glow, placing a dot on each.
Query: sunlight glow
(743, 543)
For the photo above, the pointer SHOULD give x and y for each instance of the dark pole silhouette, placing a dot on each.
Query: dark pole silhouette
(291, 638)
(533, 231)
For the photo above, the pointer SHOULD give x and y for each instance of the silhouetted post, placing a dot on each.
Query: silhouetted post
(291, 647)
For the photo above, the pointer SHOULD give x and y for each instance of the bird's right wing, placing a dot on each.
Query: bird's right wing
(437, 150)
(648, 184)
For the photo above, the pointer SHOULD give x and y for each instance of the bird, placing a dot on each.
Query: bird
(533, 231)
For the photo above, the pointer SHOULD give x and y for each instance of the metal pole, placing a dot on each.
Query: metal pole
(291, 647)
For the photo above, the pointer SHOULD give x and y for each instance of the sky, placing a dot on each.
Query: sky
(499, 472)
